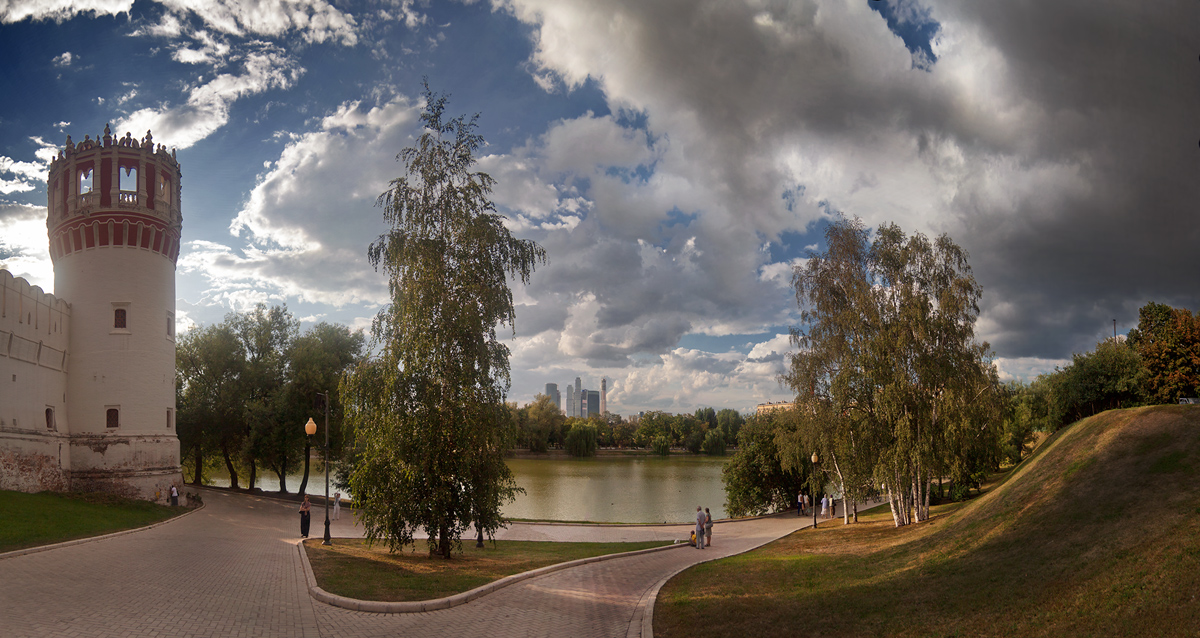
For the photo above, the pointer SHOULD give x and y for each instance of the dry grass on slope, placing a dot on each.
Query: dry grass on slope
(1098, 533)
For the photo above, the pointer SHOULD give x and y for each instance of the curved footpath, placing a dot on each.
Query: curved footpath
(232, 569)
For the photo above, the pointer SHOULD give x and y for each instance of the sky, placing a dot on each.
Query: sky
(675, 158)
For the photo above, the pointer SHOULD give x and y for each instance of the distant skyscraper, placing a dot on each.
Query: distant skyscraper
(580, 398)
(603, 396)
(571, 403)
(593, 402)
(552, 392)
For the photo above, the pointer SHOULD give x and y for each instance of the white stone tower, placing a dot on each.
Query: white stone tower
(114, 224)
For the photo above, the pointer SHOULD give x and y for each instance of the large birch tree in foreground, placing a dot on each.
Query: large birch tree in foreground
(428, 412)
(892, 390)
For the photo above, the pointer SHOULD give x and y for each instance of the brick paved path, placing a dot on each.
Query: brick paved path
(232, 569)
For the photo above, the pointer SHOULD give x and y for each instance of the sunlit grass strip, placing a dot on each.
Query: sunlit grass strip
(349, 568)
(31, 520)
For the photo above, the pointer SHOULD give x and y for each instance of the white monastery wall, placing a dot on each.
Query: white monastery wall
(34, 449)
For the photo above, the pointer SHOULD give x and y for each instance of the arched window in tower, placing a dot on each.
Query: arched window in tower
(128, 176)
(85, 181)
(112, 417)
(119, 319)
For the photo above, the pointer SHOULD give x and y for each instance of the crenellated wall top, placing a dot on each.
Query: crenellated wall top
(20, 286)
(88, 146)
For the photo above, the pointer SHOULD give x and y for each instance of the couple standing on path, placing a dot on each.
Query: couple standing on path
(703, 527)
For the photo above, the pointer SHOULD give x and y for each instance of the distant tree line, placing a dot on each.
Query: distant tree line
(1158, 363)
(245, 388)
(541, 426)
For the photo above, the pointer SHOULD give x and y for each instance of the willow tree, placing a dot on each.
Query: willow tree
(428, 411)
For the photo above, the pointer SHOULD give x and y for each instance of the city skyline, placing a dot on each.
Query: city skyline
(675, 159)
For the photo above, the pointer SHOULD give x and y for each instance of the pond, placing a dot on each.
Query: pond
(610, 489)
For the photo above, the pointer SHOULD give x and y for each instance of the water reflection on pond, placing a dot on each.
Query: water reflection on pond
(640, 489)
(611, 489)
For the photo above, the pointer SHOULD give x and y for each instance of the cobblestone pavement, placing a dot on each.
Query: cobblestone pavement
(232, 569)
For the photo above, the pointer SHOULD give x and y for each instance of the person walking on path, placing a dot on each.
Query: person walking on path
(305, 517)
(800, 504)
(174, 496)
(699, 527)
(832, 507)
(337, 505)
(824, 506)
(707, 527)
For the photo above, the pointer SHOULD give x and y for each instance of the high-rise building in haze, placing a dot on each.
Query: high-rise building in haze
(593, 403)
(570, 400)
(552, 392)
(603, 396)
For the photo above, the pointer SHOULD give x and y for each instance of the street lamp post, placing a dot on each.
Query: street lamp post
(815, 461)
(310, 428)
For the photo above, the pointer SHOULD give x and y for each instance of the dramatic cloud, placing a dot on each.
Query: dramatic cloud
(207, 106)
(23, 243)
(1037, 139)
(312, 215)
(60, 10)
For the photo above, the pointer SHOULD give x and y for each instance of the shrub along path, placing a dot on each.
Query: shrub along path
(232, 569)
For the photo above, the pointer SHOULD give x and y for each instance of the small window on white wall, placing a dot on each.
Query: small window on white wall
(171, 325)
(170, 423)
(112, 416)
(50, 424)
(120, 317)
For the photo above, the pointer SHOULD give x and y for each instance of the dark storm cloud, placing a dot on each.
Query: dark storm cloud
(1117, 88)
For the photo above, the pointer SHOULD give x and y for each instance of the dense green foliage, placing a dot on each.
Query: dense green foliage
(714, 443)
(246, 387)
(581, 440)
(1168, 341)
(428, 411)
(892, 390)
(755, 480)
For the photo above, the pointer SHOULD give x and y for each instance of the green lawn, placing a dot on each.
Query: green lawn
(1097, 535)
(350, 568)
(30, 520)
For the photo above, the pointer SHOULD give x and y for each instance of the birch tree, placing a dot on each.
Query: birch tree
(428, 411)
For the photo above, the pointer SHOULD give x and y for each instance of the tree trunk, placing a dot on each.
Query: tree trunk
(233, 477)
(282, 480)
(304, 481)
(199, 465)
(253, 473)
(892, 505)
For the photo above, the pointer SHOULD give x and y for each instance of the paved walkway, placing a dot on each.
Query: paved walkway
(232, 569)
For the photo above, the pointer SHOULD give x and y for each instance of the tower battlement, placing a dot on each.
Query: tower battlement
(114, 192)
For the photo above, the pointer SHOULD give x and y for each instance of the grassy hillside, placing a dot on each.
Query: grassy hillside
(1096, 534)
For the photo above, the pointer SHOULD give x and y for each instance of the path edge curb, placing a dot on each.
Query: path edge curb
(79, 541)
(417, 606)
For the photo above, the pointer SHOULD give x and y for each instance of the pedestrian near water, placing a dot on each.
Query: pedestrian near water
(699, 527)
(305, 517)
(707, 527)
(337, 505)
(174, 496)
